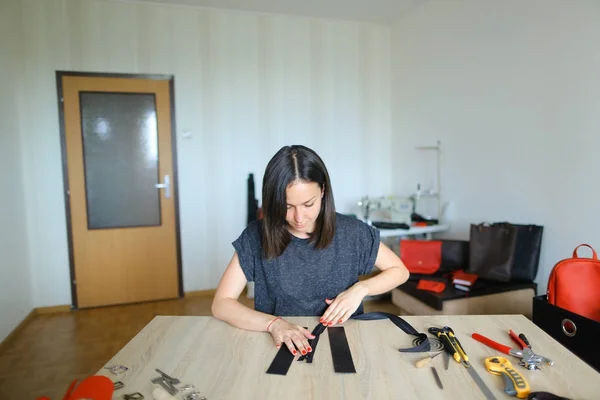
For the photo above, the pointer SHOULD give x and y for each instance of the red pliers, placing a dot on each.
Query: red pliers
(528, 358)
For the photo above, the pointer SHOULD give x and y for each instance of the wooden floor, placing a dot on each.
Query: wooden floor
(53, 350)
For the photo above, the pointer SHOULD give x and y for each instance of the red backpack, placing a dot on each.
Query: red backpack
(574, 285)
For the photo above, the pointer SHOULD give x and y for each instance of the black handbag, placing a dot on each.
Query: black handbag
(492, 251)
(527, 252)
(455, 255)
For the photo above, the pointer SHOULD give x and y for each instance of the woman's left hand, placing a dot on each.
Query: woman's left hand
(344, 305)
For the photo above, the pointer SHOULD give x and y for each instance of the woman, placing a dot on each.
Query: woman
(304, 258)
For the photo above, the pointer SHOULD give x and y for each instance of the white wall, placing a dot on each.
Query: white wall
(15, 284)
(512, 89)
(245, 85)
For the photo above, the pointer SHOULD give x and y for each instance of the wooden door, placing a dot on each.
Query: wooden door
(120, 188)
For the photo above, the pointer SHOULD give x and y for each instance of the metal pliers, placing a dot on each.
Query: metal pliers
(528, 358)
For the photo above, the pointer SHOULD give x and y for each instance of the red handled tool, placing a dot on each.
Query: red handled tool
(528, 358)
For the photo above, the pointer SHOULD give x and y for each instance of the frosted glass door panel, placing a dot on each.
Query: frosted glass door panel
(120, 150)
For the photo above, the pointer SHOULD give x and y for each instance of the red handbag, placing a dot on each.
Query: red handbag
(421, 256)
(574, 285)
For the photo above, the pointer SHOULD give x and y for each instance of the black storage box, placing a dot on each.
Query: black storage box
(578, 334)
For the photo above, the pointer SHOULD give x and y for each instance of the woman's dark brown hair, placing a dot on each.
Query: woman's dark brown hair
(289, 164)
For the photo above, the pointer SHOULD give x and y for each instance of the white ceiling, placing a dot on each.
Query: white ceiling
(380, 11)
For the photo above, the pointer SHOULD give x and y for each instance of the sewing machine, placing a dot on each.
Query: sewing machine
(395, 209)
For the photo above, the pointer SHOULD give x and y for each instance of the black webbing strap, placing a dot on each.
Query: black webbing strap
(422, 338)
(340, 350)
(283, 360)
(313, 346)
(316, 332)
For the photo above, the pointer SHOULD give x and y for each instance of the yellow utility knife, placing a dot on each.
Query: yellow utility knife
(448, 345)
(456, 343)
(514, 383)
(455, 349)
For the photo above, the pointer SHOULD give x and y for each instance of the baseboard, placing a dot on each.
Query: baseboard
(17, 330)
(200, 293)
(206, 293)
(52, 310)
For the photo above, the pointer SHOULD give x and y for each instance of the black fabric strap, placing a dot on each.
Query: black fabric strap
(340, 350)
(313, 346)
(283, 360)
(320, 328)
(423, 340)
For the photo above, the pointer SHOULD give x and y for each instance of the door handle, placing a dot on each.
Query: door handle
(165, 185)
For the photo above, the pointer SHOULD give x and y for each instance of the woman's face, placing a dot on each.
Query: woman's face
(303, 207)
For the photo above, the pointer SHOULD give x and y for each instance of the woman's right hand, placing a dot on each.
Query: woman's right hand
(290, 334)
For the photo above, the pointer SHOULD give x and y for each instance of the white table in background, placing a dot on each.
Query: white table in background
(428, 231)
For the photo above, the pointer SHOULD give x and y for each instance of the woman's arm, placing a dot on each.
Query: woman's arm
(226, 307)
(393, 274)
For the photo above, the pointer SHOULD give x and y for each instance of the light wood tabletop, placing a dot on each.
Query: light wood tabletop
(224, 362)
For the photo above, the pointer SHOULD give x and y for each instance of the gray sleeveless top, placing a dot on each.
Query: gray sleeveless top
(298, 282)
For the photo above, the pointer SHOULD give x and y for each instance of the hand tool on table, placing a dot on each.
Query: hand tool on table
(427, 361)
(117, 369)
(442, 335)
(167, 382)
(437, 378)
(528, 358)
(133, 396)
(524, 339)
(515, 384)
(453, 346)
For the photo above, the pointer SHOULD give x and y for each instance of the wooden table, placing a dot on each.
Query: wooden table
(224, 362)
